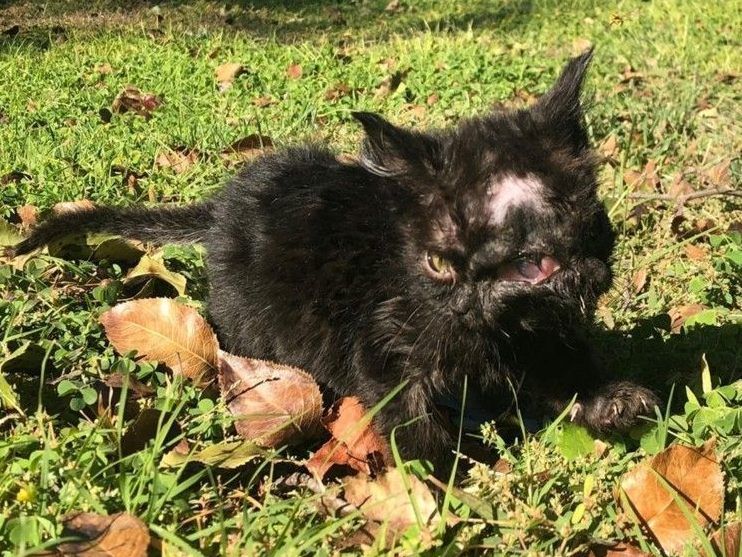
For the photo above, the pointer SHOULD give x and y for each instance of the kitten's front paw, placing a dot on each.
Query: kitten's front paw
(617, 407)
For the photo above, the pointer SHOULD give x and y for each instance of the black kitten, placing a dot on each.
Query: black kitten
(477, 251)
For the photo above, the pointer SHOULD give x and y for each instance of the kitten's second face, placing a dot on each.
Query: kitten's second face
(505, 231)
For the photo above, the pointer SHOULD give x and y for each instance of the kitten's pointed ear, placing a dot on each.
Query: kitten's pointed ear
(560, 108)
(389, 150)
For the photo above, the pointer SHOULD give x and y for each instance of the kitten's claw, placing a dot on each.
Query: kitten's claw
(617, 407)
(575, 412)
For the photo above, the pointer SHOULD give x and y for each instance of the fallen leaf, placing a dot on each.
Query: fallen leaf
(337, 91)
(679, 187)
(432, 99)
(14, 177)
(133, 100)
(294, 71)
(117, 535)
(117, 380)
(232, 454)
(96, 246)
(695, 253)
(727, 541)
(719, 174)
(273, 404)
(150, 273)
(248, 147)
(179, 159)
(103, 69)
(227, 73)
(620, 549)
(162, 330)
(29, 215)
(680, 314)
(696, 476)
(355, 442)
(263, 101)
(609, 149)
(639, 280)
(389, 498)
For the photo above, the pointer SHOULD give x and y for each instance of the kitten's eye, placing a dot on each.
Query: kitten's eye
(439, 267)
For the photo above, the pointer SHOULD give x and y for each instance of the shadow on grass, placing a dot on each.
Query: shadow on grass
(280, 19)
(649, 356)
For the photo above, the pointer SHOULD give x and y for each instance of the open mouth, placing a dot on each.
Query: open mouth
(524, 269)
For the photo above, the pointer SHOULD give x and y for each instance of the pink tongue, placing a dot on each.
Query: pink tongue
(525, 271)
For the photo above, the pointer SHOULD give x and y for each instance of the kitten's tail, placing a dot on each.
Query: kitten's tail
(162, 225)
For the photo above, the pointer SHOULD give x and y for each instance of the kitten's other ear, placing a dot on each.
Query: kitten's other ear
(560, 108)
(389, 150)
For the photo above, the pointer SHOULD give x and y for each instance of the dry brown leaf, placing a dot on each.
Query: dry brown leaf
(162, 330)
(14, 177)
(247, 147)
(634, 179)
(273, 404)
(355, 443)
(719, 174)
(620, 549)
(263, 101)
(29, 215)
(72, 206)
(180, 159)
(432, 99)
(151, 275)
(227, 73)
(294, 71)
(609, 148)
(388, 500)
(680, 314)
(696, 476)
(639, 280)
(337, 91)
(727, 541)
(117, 535)
(696, 253)
(680, 187)
(133, 100)
(103, 69)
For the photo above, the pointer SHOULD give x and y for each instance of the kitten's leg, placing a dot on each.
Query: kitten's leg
(569, 369)
(410, 417)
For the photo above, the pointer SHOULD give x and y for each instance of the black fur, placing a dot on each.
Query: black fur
(321, 264)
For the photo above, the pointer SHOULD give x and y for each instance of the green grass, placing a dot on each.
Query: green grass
(681, 112)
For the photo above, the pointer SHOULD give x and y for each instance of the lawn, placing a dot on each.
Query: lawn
(664, 96)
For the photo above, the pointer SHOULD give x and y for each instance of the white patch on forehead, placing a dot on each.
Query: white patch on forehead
(510, 191)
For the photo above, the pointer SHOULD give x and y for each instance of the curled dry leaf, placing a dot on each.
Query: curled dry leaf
(161, 330)
(680, 314)
(151, 270)
(696, 253)
(355, 442)
(639, 280)
(274, 404)
(227, 73)
(696, 477)
(179, 159)
(117, 535)
(719, 174)
(389, 498)
(133, 100)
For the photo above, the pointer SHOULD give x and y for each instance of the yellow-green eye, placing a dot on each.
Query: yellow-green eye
(440, 267)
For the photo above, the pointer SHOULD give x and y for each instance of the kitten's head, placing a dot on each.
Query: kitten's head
(504, 229)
